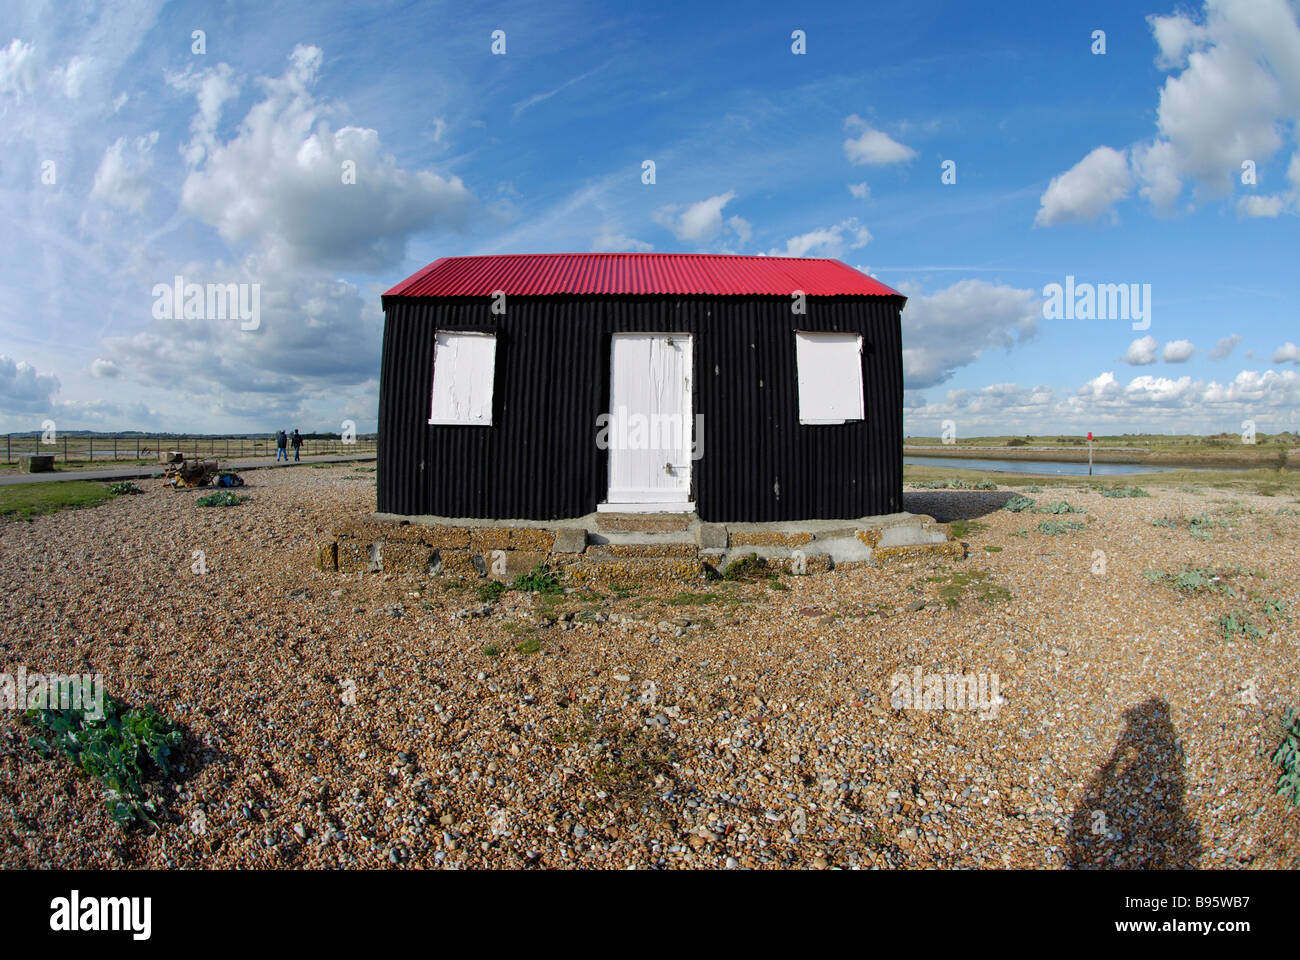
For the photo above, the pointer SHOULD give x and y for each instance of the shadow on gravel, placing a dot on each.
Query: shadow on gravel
(949, 505)
(1132, 815)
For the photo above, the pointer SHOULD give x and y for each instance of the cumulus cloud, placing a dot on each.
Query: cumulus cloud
(100, 367)
(23, 389)
(700, 222)
(860, 191)
(1087, 190)
(952, 328)
(122, 179)
(280, 183)
(1287, 353)
(610, 241)
(1178, 351)
(1223, 349)
(873, 147)
(834, 241)
(1233, 92)
(1142, 351)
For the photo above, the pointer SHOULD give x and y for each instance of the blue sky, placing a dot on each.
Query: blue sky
(223, 166)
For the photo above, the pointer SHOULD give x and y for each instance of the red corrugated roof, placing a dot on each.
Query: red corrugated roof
(539, 274)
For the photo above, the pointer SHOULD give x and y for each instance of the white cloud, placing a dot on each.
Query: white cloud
(23, 389)
(279, 183)
(701, 222)
(1261, 205)
(1287, 353)
(860, 191)
(610, 241)
(1087, 190)
(953, 327)
(834, 241)
(873, 147)
(1142, 351)
(1178, 351)
(1224, 347)
(100, 367)
(123, 176)
(17, 69)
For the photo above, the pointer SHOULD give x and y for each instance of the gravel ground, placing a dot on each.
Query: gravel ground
(750, 728)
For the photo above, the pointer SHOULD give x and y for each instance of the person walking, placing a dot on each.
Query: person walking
(281, 442)
(297, 442)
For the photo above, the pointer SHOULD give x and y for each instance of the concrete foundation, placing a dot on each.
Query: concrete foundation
(627, 548)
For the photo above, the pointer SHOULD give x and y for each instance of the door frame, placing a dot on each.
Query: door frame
(687, 503)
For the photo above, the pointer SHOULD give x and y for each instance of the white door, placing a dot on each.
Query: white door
(649, 429)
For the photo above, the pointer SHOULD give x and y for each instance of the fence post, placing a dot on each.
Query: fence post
(8, 442)
(91, 455)
(65, 448)
(137, 448)
(115, 449)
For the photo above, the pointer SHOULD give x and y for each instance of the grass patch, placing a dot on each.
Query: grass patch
(1118, 492)
(992, 548)
(969, 584)
(223, 499)
(964, 528)
(123, 748)
(687, 599)
(528, 645)
(22, 501)
(491, 650)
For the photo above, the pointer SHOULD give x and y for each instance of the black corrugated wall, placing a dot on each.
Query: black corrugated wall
(539, 459)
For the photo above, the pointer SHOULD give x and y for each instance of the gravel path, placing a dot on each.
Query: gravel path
(753, 729)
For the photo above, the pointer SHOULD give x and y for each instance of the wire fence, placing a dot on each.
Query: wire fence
(151, 449)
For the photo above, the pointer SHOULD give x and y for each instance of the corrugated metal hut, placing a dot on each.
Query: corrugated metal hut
(550, 386)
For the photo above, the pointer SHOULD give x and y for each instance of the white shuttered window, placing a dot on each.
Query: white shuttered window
(463, 370)
(830, 376)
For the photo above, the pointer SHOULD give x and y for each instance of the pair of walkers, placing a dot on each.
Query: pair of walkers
(282, 442)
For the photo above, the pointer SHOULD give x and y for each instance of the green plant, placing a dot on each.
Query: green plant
(1164, 522)
(540, 579)
(992, 548)
(123, 488)
(1060, 506)
(491, 650)
(746, 567)
(529, 645)
(1230, 625)
(979, 583)
(490, 591)
(1033, 488)
(1056, 527)
(1018, 504)
(223, 499)
(1287, 757)
(122, 747)
(775, 583)
(1114, 492)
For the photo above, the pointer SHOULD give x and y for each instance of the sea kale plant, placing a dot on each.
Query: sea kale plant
(123, 748)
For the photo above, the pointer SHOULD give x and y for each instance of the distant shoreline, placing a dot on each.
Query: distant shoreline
(1265, 460)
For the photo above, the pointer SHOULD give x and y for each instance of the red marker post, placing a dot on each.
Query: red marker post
(1090, 453)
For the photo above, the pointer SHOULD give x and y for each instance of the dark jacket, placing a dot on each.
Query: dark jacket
(281, 440)
(297, 439)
